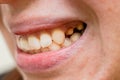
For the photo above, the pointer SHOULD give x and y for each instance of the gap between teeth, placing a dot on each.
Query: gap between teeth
(49, 40)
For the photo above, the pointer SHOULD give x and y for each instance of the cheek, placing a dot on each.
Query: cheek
(109, 19)
(9, 39)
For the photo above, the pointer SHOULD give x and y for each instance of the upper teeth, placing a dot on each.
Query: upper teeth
(58, 36)
(46, 41)
(80, 26)
(34, 43)
(23, 44)
(69, 31)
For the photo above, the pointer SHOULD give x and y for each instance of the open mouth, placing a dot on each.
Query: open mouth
(51, 39)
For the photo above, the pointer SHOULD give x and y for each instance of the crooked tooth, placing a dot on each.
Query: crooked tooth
(45, 39)
(69, 31)
(75, 37)
(67, 42)
(80, 26)
(58, 36)
(34, 43)
(23, 44)
(54, 47)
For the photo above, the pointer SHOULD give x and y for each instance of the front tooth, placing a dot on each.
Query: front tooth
(54, 47)
(75, 37)
(23, 44)
(34, 42)
(67, 42)
(45, 39)
(58, 36)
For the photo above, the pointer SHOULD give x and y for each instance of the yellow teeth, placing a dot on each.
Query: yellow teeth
(44, 49)
(58, 36)
(54, 46)
(75, 37)
(70, 31)
(34, 43)
(80, 26)
(67, 42)
(23, 44)
(45, 39)
(51, 40)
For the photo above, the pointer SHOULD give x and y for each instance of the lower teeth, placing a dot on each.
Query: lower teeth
(54, 40)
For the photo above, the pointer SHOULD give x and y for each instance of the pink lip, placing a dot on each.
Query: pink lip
(33, 25)
(47, 60)
(42, 61)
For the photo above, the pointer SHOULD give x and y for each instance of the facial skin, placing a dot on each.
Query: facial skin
(96, 57)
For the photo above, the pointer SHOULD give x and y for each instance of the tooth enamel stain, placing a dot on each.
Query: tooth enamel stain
(67, 42)
(69, 31)
(44, 49)
(80, 26)
(34, 43)
(58, 36)
(54, 46)
(23, 44)
(45, 39)
(75, 37)
(50, 40)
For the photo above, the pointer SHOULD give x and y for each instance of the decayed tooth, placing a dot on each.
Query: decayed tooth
(80, 26)
(34, 42)
(69, 31)
(44, 49)
(45, 39)
(34, 51)
(67, 42)
(75, 37)
(54, 47)
(58, 36)
(23, 44)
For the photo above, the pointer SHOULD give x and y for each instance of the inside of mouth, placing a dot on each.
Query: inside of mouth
(51, 39)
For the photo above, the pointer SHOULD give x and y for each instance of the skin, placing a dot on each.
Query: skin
(99, 57)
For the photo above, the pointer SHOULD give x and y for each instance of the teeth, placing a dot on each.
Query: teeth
(54, 47)
(34, 43)
(50, 40)
(69, 31)
(23, 44)
(58, 36)
(67, 42)
(45, 39)
(80, 26)
(75, 37)
(44, 49)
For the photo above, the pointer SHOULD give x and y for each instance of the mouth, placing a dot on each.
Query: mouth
(51, 39)
(41, 49)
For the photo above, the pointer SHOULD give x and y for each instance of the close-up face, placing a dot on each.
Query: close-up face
(64, 39)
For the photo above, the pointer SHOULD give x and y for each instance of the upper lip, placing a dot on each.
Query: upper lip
(20, 27)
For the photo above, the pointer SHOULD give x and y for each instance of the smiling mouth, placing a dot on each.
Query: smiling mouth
(45, 46)
(52, 39)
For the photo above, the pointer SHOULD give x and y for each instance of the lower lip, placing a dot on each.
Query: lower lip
(41, 62)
